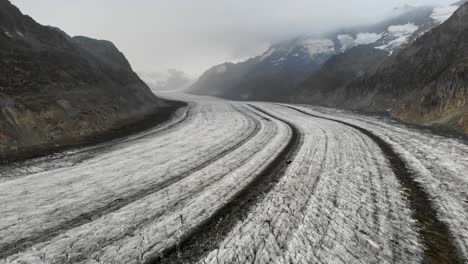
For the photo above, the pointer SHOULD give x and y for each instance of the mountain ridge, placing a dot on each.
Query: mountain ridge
(56, 90)
(428, 77)
(347, 72)
(270, 76)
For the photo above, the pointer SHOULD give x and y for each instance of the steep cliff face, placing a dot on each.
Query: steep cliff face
(425, 83)
(56, 90)
(326, 87)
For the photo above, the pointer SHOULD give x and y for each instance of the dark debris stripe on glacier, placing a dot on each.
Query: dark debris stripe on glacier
(434, 233)
(119, 202)
(438, 161)
(339, 200)
(323, 210)
(206, 237)
(181, 200)
(108, 239)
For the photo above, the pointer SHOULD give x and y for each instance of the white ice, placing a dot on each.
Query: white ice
(441, 14)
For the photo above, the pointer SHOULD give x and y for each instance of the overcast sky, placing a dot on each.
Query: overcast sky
(193, 35)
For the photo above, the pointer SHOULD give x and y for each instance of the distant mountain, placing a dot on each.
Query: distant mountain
(425, 83)
(363, 49)
(276, 74)
(402, 27)
(56, 90)
(411, 66)
(223, 78)
(170, 80)
(326, 86)
(265, 77)
(283, 66)
(408, 84)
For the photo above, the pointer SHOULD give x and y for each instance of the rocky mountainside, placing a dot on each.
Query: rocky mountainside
(326, 86)
(274, 75)
(222, 79)
(265, 77)
(56, 90)
(362, 49)
(425, 83)
(283, 66)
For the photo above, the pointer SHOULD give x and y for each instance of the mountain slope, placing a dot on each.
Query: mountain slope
(425, 83)
(265, 77)
(221, 79)
(275, 75)
(326, 86)
(56, 90)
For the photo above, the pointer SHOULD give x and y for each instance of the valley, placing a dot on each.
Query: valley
(330, 134)
(236, 182)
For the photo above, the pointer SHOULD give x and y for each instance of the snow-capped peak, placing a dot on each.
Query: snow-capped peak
(301, 50)
(399, 35)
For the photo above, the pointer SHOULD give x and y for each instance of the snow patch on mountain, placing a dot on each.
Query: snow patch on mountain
(317, 47)
(367, 38)
(403, 30)
(400, 35)
(441, 14)
(347, 41)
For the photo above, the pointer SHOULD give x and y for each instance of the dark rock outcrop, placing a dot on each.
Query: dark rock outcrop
(56, 90)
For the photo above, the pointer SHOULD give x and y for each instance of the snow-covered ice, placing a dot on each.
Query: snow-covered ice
(439, 162)
(338, 201)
